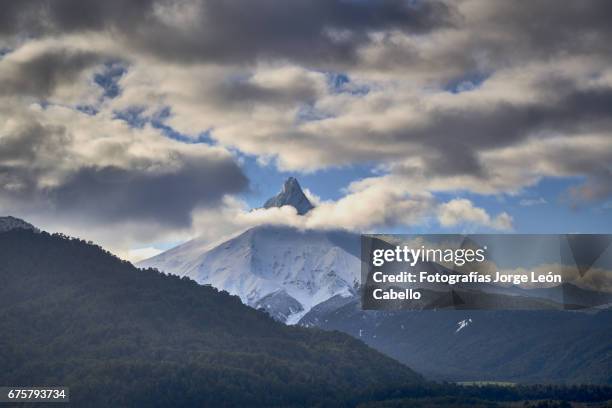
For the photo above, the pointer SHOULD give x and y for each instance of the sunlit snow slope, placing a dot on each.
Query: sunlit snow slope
(282, 269)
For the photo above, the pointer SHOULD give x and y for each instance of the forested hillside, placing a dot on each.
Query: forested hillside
(75, 315)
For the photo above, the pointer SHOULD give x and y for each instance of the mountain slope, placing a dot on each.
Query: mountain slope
(518, 346)
(73, 314)
(284, 270)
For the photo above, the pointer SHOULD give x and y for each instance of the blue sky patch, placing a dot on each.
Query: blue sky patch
(342, 83)
(109, 78)
(466, 83)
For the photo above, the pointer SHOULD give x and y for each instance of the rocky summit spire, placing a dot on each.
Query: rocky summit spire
(292, 195)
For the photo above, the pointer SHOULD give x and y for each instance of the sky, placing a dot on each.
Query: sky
(142, 124)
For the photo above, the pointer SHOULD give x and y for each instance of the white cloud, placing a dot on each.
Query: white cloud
(366, 207)
(462, 211)
(139, 254)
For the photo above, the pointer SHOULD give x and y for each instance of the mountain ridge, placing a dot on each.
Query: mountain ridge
(527, 346)
(303, 267)
(76, 315)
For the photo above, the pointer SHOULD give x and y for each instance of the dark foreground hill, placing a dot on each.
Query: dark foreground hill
(74, 315)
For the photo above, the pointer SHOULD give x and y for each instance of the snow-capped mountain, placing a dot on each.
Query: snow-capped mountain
(281, 269)
(10, 223)
(284, 270)
(292, 195)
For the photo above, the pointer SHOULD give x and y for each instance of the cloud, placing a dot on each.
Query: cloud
(443, 135)
(471, 96)
(42, 73)
(378, 205)
(252, 94)
(529, 202)
(67, 169)
(165, 196)
(596, 188)
(192, 30)
(364, 208)
(312, 197)
(139, 254)
(462, 211)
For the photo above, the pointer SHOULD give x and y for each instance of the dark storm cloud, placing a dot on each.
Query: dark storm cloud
(111, 194)
(149, 189)
(232, 30)
(329, 32)
(237, 93)
(455, 137)
(42, 17)
(115, 195)
(490, 35)
(550, 27)
(299, 30)
(43, 74)
(24, 146)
